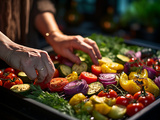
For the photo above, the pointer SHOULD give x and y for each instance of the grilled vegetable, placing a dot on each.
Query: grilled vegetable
(80, 68)
(21, 88)
(64, 70)
(94, 88)
(122, 59)
(57, 84)
(88, 77)
(108, 78)
(77, 86)
(73, 76)
(24, 77)
(117, 111)
(76, 99)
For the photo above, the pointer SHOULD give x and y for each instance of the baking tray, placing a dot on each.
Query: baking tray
(13, 106)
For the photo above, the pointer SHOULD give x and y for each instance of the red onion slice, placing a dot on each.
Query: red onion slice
(107, 77)
(108, 83)
(74, 87)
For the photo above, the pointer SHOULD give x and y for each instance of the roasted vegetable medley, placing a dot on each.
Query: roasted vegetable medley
(126, 81)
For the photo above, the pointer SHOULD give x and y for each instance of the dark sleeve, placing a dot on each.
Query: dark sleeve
(40, 6)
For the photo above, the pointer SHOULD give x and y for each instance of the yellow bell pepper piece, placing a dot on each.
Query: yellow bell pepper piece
(96, 99)
(136, 81)
(104, 60)
(152, 88)
(76, 99)
(73, 76)
(102, 108)
(110, 101)
(128, 85)
(115, 66)
(106, 69)
(143, 74)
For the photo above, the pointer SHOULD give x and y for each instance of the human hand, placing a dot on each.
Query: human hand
(27, 59)
(31, 60)
(64, 46)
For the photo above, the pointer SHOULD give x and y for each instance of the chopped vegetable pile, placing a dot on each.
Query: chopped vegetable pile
(126, 81)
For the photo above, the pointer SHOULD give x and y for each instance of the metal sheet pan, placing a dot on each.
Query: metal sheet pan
(13, 106)
(16, 107)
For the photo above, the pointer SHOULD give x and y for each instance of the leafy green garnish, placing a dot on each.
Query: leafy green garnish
(51, 99)
(109, 47)
(55, 101)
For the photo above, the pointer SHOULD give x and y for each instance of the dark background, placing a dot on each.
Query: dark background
(133, 20)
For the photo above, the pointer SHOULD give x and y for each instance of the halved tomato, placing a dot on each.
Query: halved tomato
(96, 69)
(43, 85)
(89, 77)
(57, 84)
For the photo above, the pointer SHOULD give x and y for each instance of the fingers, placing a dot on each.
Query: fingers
(30, 72)
(90, 51)
(95, 47)
(49, 66)
(39, 62)
(88, 46)
(42, 71)
(69, 55)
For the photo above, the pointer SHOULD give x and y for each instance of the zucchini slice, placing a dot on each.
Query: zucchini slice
(24, 77)
(64, 70)
(80, 68)
(122, 59)
(94, 88)
(21, 88)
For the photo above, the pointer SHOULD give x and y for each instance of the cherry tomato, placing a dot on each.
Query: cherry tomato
(8, 76)
(41, 84)
(55, 57)
(109, 94)
(157, 68)
(56, 73)
(57, 84)
(9, 83)
(1, 73)
(157, 62)
(96, 69)
(10, 70)
(124, 100)
(1, 83)
(145, 99)
(133, 108)
(89, 77)
(150, 62)
(134, 62)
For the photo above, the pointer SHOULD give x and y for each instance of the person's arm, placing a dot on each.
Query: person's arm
(25, 59)
(64, 44)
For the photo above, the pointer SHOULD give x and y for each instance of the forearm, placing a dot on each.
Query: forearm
(64, 45)
(46, 23)
(6, 46)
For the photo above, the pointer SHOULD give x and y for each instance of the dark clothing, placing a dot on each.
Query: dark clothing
(17, 19)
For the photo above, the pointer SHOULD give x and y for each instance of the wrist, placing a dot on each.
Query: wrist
(53, 36)
(53, 33)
